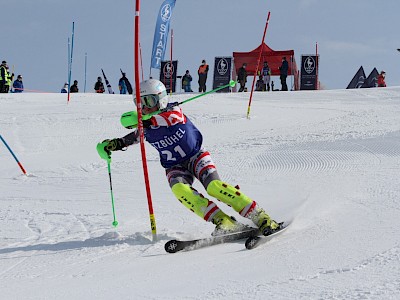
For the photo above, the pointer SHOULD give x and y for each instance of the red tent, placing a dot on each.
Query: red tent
(274, 59)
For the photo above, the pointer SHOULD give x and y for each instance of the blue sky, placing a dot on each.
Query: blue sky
(349, 33)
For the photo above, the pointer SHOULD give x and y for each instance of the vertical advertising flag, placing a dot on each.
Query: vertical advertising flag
(222, 73)
(161, 33)
(169, 71)
(308, 77)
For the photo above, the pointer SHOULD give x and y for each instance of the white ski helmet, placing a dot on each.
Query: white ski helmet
(152, 93)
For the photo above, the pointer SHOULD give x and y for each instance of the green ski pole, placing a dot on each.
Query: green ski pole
(115, 222)
(129, 119)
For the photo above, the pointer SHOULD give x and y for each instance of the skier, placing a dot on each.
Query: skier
(179, 144)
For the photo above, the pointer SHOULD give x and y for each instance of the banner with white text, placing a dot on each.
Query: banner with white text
(222, 73)
(161, 33)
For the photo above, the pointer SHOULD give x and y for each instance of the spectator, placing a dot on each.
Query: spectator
(64, 89)
(381, 79)
(266, 74)
(124, 85)
(74, 88)
(9, 81)
(284, 68)
(203, 71)
(186, 79)
(260, 84)
(99, 86)
(4, 77)
(242, 77)
(18, 85)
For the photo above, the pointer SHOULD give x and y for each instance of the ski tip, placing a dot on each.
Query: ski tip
(254, 241)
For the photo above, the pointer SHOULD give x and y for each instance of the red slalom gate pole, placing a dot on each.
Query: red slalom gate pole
(258, 63)
(140, 122)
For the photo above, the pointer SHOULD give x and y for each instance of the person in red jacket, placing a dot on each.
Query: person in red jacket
(381, 79)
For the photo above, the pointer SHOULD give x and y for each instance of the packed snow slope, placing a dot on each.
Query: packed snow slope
(329, 160)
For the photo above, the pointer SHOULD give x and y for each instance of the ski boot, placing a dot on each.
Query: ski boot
(226, 224)
(263, 221)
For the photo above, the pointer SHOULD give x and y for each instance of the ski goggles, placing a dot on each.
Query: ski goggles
(149, 101)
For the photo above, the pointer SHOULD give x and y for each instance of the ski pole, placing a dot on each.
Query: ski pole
(129, 119)
(231, 83)
(12, 153)
(115, 222)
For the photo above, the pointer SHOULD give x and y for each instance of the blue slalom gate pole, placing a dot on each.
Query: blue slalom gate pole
(70, 61)
(84, 87)
(12, 153)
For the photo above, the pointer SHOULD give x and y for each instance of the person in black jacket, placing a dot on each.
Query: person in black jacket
(284, 73)
(242, 77)
(74, 88)
(99, 85)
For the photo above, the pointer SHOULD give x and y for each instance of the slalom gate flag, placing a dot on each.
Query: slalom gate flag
(161, 33)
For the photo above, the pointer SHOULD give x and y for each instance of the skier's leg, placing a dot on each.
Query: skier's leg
(204, 169)
(181, 180)
(241, 203)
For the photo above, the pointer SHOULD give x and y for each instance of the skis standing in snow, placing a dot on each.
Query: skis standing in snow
(109, 88)
(179, 144)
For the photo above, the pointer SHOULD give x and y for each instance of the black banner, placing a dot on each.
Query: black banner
(222, 73)
(372, 79)
(167, 72)
(358, 79)
(309, 68)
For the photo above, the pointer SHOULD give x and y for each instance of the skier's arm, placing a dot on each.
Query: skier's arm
(131, 138)
(107, 146)
(168, 118)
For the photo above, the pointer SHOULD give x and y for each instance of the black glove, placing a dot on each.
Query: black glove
(114, 145)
